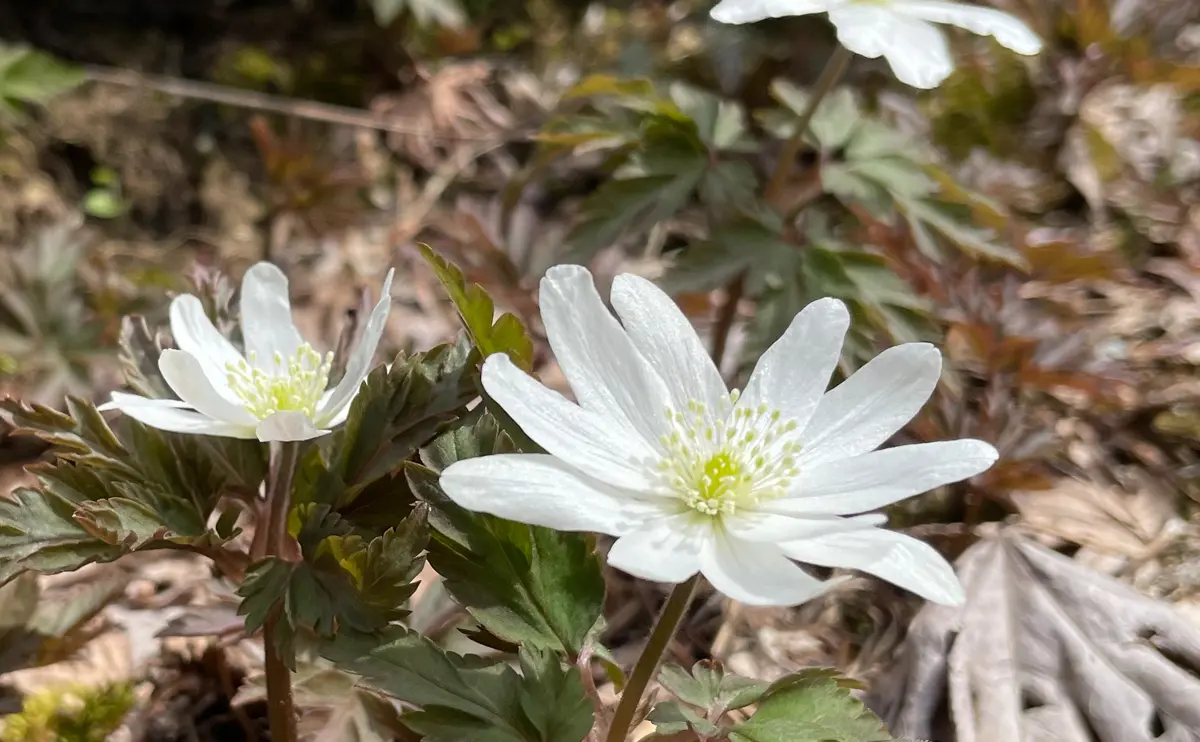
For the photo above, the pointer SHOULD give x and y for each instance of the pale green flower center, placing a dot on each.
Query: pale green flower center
(733, 459)
(296, 384)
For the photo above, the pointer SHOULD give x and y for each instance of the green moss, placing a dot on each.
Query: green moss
(984, 106)
(70, 713)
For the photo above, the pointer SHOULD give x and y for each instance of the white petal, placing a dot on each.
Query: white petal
(194, 333)
(794, 372)
(663, 550)
(901, 560)
(765, 527)
(606, 372)
(752, 11)
(185, 374)
(266, 311)
(1006, 29)
(582, 439)
(168, 416)
(757, 574)
(879, 478)
(917, 51)
(667, 340)
(541, 490)
(121, 400)
(864, 411)
(287, 425)
(334, 405)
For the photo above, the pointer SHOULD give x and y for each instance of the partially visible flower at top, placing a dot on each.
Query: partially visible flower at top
(693, 478)
(901, 31)
(276, 392)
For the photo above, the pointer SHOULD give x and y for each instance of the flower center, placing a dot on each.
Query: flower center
(296, 383)
(732, 459)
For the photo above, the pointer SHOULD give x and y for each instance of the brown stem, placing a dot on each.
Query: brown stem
(281, 707)
(281, 711)
(726, 314)
(284, 458)
(837, 65)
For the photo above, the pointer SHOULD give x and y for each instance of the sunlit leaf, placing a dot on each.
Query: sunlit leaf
(31, 76)
(475, 308)
(811, 706)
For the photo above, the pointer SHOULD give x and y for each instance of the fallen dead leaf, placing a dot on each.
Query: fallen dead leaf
(1044, 649)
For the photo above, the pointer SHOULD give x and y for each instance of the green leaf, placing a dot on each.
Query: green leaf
(704, 266)
(553, 697)
(346, 582)
(476, 310)
(382, 570)
(873, 139)
(742, 244)
(396, 411)
(528, 585)
(673, 718)
(632, 206)
(113, 490)
(38, 532)
(460, 697)
(468, 697)
(811, 706)
(720, 123)
(30, 76)
(835, 120)
(140, 350)
(978, 242)
(709, 687)
(898, 176)
(728, 186)
(844, 181)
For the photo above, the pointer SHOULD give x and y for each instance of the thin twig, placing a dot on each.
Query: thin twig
(296, 108)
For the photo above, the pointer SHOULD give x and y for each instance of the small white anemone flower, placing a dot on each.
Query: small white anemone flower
(691, 477)
(900, 31)
(278, 391)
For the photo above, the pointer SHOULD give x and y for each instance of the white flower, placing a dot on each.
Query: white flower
(276, 392)
(901, 31)
(692, 478)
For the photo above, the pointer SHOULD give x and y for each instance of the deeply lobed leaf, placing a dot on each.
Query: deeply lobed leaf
(529, 585)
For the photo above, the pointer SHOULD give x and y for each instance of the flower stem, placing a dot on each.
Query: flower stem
(647, 664)
(837, 65)
(281, 708)
(281, 712)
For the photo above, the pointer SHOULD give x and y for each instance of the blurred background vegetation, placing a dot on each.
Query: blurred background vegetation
(1038, 218)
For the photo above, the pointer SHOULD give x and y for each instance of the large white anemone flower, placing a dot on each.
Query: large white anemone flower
(691, 477)
(900, 31)
(276, 392)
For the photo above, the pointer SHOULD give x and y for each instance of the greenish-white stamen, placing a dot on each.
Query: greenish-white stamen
(734, 458)
(296, 383)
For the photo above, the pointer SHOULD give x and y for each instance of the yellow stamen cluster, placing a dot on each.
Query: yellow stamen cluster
(733, 458)
(295, 383)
